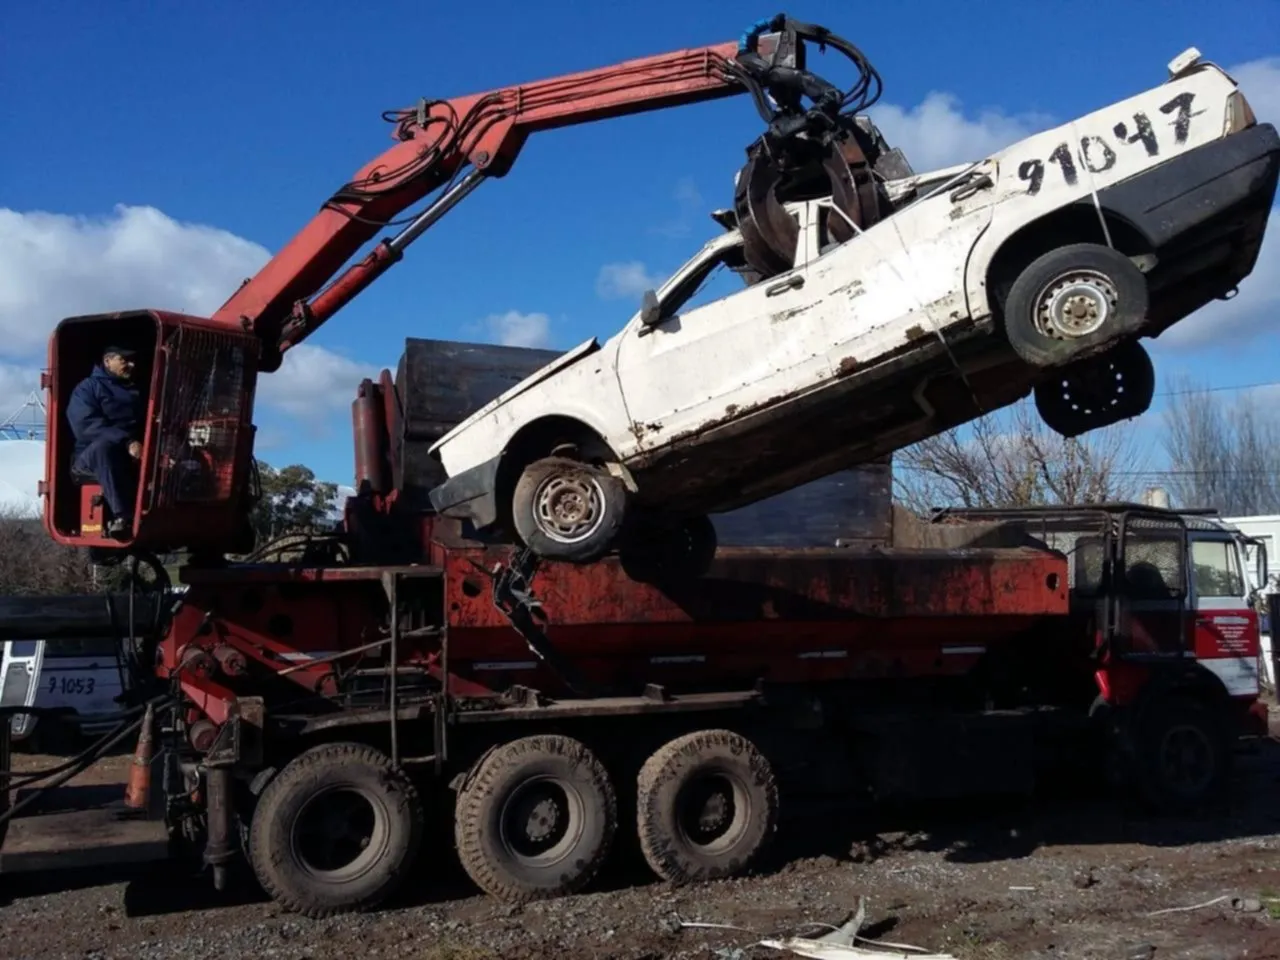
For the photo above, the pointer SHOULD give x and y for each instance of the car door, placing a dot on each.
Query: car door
(705, 363)
(904, 278)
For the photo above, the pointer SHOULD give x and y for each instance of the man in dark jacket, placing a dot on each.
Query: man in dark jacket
(107, 415)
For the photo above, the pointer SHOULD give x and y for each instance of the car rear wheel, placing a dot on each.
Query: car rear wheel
(1074, 301)
(564, 509)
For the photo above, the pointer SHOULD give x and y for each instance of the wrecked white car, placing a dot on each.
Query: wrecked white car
(1038, 268)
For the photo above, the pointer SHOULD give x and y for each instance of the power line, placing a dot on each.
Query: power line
(1222, 389)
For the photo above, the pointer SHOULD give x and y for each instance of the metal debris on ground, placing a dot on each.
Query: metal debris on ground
(838, 944)
(1194, 906)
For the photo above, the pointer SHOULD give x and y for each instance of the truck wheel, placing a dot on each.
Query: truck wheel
(1097, 391)
(568, 510)
(1183, 755)
(707, 806)
(335, 831)
(1071, 301)
(536, 819)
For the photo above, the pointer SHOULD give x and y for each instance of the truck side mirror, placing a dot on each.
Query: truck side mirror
(650, 312)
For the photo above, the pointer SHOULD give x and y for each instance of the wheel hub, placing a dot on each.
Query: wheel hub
(1076, 305)
(709, 812)
(569, 508)
(340, 834)
(541, 822)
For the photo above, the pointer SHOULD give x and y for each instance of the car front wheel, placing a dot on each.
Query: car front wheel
(567, 510)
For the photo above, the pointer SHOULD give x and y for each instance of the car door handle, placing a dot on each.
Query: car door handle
(793, 282)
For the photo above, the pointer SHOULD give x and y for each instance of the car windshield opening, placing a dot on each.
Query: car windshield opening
(705, 282)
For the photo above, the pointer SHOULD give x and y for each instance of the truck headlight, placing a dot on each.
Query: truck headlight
(1239, 113)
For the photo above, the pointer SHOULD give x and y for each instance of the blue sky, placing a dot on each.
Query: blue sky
(155, 153)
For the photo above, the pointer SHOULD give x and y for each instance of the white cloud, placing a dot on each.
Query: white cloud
(622, 280)
(516, 329)
(937, 133)
(313, 383)
(54, 266)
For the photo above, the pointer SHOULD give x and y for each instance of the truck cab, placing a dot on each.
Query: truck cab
(1163, 596)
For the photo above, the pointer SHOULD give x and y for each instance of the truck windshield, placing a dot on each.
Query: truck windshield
(1217, 569)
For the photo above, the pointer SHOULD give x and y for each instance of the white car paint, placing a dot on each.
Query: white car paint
(919, 272)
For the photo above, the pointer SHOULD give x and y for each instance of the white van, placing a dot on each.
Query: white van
(78, 677)
(61, 654)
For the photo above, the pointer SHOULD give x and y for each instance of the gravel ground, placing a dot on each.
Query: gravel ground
(1068, 876)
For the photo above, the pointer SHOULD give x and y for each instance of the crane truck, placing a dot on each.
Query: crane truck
(311, 715)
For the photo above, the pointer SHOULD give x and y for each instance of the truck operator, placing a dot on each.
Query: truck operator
(107, 417)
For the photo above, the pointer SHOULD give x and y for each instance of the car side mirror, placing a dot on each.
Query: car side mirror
(650, 312)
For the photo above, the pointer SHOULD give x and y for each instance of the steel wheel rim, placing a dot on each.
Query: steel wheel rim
(1097, 390)
(541, 822)
(1075, 305)
(569, 508)
(712, 811)
(340, 817)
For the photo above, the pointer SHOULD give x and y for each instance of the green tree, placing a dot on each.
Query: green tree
(293, 501)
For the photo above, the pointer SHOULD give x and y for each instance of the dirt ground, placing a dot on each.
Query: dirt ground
(1065, 876)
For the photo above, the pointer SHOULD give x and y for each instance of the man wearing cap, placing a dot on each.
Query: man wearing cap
(107, 416)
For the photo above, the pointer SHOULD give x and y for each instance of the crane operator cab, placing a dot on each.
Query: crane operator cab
(151, 410)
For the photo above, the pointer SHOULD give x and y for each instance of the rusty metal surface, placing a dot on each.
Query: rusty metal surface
(797, 616)
(617, 707)
(747, 584)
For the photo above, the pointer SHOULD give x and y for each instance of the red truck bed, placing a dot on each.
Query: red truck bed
(785, 615)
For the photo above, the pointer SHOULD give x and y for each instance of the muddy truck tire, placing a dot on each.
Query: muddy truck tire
(1183, 755)
(336, 831)
(536, 819)
(707, 807)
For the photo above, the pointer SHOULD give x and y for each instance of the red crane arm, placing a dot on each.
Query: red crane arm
(436, 141)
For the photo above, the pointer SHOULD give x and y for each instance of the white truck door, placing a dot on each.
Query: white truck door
(1224, 626)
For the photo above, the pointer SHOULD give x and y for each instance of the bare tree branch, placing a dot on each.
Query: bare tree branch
(1221, 455)
(1011, 459)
